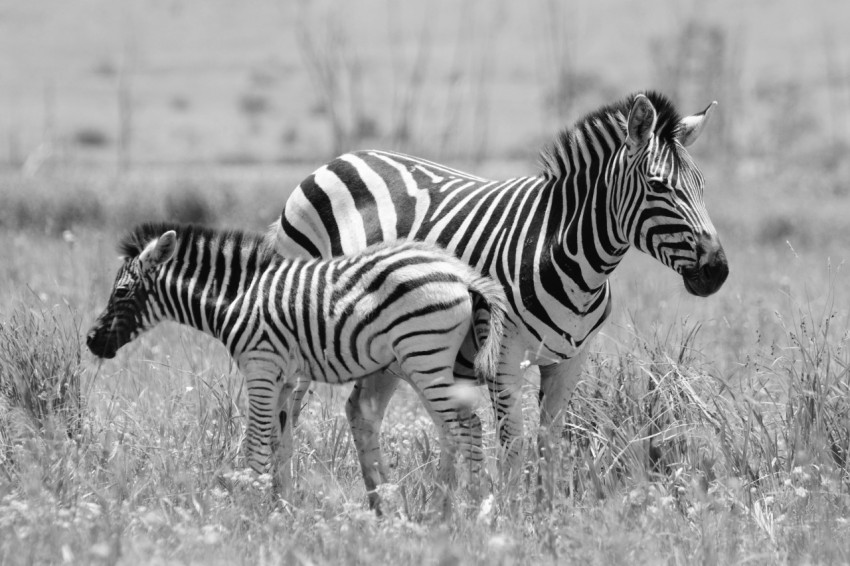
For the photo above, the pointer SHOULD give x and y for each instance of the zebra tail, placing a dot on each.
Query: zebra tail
(487, 358)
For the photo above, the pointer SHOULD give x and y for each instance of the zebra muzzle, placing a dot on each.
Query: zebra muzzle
(711, 269)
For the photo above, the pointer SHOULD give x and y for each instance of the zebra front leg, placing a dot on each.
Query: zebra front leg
(557, 384)
(264, 379)
(282, 445)
(365, 411)
(302, 387)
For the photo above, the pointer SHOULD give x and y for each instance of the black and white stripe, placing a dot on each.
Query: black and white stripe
(329, 320)
(620, 177)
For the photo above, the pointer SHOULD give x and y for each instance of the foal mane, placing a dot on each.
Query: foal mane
(136, 240)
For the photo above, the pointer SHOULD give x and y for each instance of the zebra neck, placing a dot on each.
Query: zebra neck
(211, 298)
(587, 244)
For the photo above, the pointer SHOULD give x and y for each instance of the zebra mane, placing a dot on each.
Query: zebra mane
(135, 241)
(666, 128)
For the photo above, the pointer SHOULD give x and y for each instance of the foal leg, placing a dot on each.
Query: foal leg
(506, 398)
(282, 447)
(458, 427)
(436, 390)
(263, 380)
(365, 411)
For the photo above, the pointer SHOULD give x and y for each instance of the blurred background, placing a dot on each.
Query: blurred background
(120, 86)
(113, 113)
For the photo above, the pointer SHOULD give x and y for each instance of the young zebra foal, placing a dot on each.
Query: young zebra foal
(330, 320)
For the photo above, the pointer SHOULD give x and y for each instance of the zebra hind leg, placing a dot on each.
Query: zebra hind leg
(450, 406)
(365, 411)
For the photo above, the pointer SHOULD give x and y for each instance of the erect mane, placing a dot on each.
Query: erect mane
(666, 127)
(137, 239)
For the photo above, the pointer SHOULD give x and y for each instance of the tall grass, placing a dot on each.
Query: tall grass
(663, 460)
(40, 371)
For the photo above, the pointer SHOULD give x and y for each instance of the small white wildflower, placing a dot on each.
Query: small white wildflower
(390, 495)
(499, 543)
(101, 550)
(153, 519)
(768, 500)
(801, 491)
(263, 482)
(211, 534)
(93, 509)
(485, 512)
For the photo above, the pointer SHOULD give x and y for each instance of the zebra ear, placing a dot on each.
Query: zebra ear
(159, 251)
(690, 127)
(642, 118)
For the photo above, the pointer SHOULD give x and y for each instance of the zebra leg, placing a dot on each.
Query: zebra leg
(264, 380)
(506, 398)
(557, 383)
(458, 427)
(468, 438)
(365, 411)
(302, 387)
(282, 446)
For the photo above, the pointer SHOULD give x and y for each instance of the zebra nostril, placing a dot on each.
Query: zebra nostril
(715, 270)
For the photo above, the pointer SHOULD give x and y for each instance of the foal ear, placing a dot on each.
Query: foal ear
(642, 118)
(159, 251)
(690, 127)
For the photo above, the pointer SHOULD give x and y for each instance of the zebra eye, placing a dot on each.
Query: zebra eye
(121, 292)
(658, 186)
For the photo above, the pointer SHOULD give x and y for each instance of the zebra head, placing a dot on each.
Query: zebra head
(127, 313)
(660, 207)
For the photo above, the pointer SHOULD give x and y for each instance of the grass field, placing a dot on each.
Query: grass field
(711, 431)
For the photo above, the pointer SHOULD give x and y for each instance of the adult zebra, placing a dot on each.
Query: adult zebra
(331, 320)
(620, 177)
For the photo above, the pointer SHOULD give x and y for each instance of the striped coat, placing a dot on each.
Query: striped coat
(619, 178)
(407, 305)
